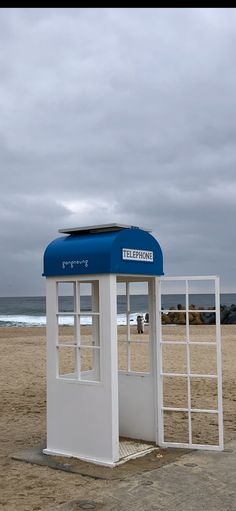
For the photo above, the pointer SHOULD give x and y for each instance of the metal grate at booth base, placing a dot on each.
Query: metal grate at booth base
(129, 448)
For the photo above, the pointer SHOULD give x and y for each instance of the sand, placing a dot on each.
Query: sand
(23, 411)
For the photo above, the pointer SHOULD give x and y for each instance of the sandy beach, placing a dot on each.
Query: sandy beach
(26, 487)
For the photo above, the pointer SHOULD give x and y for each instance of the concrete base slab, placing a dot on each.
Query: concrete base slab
(197, 481)
(150, 461)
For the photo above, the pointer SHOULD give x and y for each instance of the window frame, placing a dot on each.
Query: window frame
(78, 376)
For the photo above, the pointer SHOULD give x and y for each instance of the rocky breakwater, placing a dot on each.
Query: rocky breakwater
(197, 316)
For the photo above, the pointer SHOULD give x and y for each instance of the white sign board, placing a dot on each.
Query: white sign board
(134, 254)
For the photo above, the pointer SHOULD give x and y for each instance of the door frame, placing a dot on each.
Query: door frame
(160, 374)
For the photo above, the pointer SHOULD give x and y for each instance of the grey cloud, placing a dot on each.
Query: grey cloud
(118, 115)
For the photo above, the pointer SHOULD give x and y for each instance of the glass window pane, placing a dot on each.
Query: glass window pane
(89, 330)
(202, 333)
(175, 392)
(122, 356)
(139, 299)
(139, 357)
(176, 427)
(85, 296)
(173, 332)
(66, 362)
(203, 359)
(202, 293)
(89, 296)
(121, 298)
(90, 364)
(174, 358)
(204, 394)
(66, 296)
(66, 330)
(205, 428)
(173, 294)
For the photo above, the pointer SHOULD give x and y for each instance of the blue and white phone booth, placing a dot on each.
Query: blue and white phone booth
(92, 405)
(98, 390)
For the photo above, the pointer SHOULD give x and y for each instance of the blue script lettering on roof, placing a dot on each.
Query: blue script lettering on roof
(130, 251)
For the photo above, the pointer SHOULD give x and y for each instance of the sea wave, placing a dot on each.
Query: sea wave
(24, 320)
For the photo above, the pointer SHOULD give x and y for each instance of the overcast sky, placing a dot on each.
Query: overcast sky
(118, 115)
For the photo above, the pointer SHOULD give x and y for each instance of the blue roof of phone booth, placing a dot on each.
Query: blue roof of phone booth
(111, 248)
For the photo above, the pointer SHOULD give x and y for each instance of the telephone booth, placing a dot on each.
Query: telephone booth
(105, 383)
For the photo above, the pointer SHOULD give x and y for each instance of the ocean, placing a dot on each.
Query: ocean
(31, 310)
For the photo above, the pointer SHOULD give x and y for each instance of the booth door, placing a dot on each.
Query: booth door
(189, 363)
(137, 358)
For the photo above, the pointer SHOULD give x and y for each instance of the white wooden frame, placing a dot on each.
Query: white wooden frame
(127, 281)
(77, 314)
(188, 375)
(138, 390)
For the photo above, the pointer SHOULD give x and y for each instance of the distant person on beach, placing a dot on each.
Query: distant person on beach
(140, 324)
